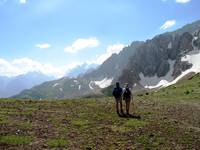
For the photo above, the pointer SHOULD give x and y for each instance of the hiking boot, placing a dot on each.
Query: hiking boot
(128, 114)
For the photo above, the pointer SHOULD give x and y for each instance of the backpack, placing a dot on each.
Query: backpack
(117, 92)
(127, 93)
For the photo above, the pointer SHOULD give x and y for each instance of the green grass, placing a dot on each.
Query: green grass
(3, 119)
(120, 129)
(128, 125)
(135, 123)
(152, 142)
(57, 143)
(80, 123)
(169, 120)
(93, 123)
(187, 90)
(25, 125)
(15, 139)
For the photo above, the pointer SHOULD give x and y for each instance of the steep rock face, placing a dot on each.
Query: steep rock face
(196, 40)
(191, 28)
(152, 58)
(113, 66)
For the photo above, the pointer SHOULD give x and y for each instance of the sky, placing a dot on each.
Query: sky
(54, 36)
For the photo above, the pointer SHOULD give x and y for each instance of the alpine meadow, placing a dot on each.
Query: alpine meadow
(99, 75)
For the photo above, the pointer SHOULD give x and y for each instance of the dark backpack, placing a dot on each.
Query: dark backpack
(127, 93)
(117, 92)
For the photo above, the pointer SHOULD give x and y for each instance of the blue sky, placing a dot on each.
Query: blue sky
(53, 36)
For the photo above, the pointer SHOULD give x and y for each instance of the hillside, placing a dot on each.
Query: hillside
(187, 90)
(89, 83)
(114, 65)
(152, 63)
(59, 89)
(169, 119)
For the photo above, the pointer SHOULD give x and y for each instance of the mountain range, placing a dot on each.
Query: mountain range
(153, 63)
(13, 85)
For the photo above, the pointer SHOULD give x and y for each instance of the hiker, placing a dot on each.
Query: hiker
(117, 93)
(127, 96)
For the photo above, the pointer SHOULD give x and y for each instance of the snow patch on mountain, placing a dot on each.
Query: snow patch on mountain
(79, 87)
(194, 39)
(104, 83)
(75, 81)
(193, 58)
(169, 45)
(56, 84)
(61, 89)
(90, 85)
(154, 82)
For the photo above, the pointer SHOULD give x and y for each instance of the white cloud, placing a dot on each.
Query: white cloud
(23, 1)
(116, 48)
(25, 65)
(17, 1)
(183, 1)
(81, 44)
(43, 46)
(168, 24)
(179, 1)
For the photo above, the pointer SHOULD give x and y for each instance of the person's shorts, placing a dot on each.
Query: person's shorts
(118, 99)
(127, 99)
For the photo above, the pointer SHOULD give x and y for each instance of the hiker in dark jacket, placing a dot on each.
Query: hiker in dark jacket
(117, 93)
(127, 96)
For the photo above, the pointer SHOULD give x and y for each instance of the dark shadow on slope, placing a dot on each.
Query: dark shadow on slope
(130, 116)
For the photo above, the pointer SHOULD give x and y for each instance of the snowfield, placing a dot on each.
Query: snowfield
(56, 84)
(104, 83)
(192, 57)
(79, 87)
(155, 82)
(61, 89)
(90, 85)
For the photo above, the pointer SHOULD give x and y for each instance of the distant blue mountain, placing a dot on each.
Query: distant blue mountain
(81, 69)
(13, 85)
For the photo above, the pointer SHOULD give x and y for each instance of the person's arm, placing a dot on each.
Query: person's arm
(122, 91)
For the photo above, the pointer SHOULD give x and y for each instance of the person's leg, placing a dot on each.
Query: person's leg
(117, 106)
(121, 107)
(127, 106)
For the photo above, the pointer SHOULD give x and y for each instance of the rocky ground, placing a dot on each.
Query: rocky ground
(168, 119)
(93, 124)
